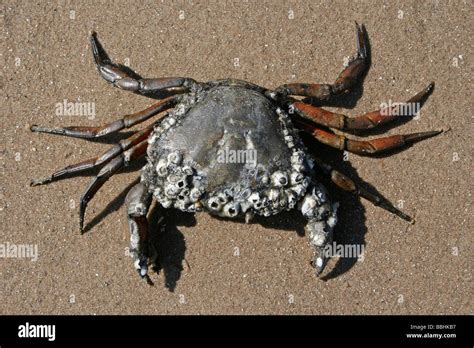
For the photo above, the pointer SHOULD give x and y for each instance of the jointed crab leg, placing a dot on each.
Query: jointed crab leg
(367, 147)
(124, 78)
(138, 202)
(115, 126)
(92, 163)
(346, 80)
(106, 172)
(345, 183)
(367, 121)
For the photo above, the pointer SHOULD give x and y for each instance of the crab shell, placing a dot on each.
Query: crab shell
(229, 150)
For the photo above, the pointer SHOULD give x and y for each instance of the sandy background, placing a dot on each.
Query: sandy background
(46, 58)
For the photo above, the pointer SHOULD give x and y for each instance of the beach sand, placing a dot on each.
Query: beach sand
(213, 266)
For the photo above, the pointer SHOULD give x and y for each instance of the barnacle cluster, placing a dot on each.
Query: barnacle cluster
(178, 181)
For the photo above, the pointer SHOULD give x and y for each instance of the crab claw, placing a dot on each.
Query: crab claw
(142, 268)
(141, 265)
(319, 260)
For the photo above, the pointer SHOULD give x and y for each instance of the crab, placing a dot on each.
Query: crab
(194, 152)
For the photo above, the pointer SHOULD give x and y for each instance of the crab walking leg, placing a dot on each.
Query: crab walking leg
(92, 163)
(347, 184)
(138, 202)
(115, 126)
(321, 215)
(106, 172)
(368, 147)
(346, 80)
(367, 121)
(123, 78)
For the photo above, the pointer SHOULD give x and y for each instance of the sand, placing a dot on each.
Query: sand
(213, 266)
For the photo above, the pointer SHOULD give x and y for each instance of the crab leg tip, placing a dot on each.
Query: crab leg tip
(318, 264)
(414, 137)
(407, 218)
(148, 280)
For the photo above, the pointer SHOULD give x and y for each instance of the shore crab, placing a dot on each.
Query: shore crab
(185, 169)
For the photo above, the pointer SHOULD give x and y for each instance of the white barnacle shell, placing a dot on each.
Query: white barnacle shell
(297, 157)
(231, 209)
(279, 179)
(214, 203)
(194, 195)
(171, 121)
(308, 206)
(191, 208)
(180, 204)
(291, 199)
(162, 167)
(151, 139)
(184, 192)
(171, 190)
(298, 168)
(255, 200)
(245, 194)
(187, 170)
(273, 195)
(222, 197)
(197, 181)
(245, 206)
(283, 199)
(175, 158)
(173, 178)
(317, 233)
(296, 178)
(299, 189)
(165, 124)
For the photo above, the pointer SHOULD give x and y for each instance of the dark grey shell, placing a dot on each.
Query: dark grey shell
(230, 150)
